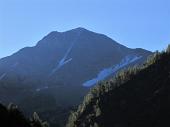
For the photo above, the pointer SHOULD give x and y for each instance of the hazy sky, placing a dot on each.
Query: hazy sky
(134, 23)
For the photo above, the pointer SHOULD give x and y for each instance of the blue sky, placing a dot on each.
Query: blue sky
(134, 23)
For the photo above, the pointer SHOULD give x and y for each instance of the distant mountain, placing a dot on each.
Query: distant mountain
(137, 97)
(74, 58)
(63, 65)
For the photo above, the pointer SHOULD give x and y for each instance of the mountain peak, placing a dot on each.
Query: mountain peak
(78, 29)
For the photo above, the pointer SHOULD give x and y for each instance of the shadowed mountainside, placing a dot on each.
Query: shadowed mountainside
(53, 76)
(137, 97)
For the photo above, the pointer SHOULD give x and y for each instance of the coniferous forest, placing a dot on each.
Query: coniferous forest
(11, 116)
(136, 97)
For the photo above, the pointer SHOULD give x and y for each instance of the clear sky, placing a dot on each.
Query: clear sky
(134, 23)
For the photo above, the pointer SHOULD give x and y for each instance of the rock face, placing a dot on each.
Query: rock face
(75, 58)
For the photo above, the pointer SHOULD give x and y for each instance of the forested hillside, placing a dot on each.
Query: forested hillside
(137, 97)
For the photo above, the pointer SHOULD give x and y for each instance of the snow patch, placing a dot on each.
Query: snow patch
(2, 76)
(43, 88)
(64, 60)
(111, 70)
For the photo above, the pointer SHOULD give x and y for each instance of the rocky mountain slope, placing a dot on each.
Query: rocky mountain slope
(53, 76)
(68, 58)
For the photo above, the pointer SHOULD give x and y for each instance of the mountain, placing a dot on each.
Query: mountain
(55, 74)
(71, 58)
(137, 97)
